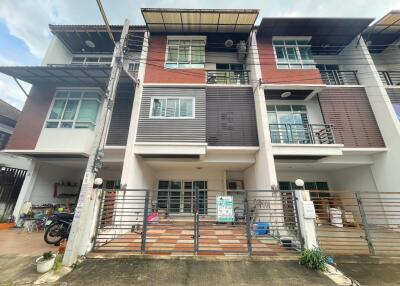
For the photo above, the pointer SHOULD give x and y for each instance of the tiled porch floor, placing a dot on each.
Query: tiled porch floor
(177, 239)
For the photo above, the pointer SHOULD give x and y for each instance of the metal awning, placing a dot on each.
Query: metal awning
(200, 21)
(329, 35)
(74, 37)
(64, 75)
(383, 32)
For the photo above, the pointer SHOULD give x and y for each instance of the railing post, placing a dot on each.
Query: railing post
(144, 230)
(356, 77)
(196, 229)
(99, 214)
(248, 226)
(365, 223)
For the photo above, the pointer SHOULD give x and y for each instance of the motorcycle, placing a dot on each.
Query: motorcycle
(58, 227)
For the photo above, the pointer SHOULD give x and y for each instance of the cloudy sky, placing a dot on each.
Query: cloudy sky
(24, 33)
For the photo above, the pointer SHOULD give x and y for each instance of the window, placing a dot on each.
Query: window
(91, 60)
(293, 54)
(396, 107)
(74, 109)
(288, 124)
(133, 67)
(179, 196)
(4, 139)
(172, 107)
(185, 54)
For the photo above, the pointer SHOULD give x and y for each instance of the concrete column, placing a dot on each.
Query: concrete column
(262, 175)
(27, 186)
(306, 213)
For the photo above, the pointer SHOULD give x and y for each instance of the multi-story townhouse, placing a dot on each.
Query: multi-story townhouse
(209, 101)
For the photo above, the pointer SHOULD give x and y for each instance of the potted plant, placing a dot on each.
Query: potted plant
(45, 262)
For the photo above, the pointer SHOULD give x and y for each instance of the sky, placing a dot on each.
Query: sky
(24, 33)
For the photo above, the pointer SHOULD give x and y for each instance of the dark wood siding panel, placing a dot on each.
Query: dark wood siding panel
(172, 130)
(349, 111)
(31, 120)
(120, 120)
(231, 119)
(394, 94)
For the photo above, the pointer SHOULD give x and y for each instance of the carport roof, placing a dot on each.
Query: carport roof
(383, 32)
(200, 20)
(64, 74)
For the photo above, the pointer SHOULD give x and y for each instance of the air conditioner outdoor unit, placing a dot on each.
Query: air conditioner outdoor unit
(241, 51)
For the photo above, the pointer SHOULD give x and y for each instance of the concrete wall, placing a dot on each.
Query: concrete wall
(48, 175)
(388, 59)
(56, 53)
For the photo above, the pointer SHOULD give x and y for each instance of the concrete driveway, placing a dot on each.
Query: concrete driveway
(18, 252)
(142, 271)
(371, 270)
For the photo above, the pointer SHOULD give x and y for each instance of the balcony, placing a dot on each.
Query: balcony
(390, 77)
(302, 133)
(337, 77)
(228, 77)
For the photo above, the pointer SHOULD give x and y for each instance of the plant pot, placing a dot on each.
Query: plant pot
(43, 266)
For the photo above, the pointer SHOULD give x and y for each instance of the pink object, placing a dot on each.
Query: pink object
(152, 217)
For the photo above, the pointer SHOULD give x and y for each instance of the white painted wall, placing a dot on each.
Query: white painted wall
(48, 175)
(56, 53)
(388, 59)
(65, 140)
(14, 161)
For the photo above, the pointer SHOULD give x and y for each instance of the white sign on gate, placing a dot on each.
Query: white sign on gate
(225, 209)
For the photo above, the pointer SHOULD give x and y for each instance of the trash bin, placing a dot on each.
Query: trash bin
(262, 228)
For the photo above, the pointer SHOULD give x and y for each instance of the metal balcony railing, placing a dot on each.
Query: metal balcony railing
(302, 133)
(227, 77)
(390, 77)
(336, 77)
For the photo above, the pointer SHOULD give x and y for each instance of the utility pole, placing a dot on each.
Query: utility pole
(79, 238)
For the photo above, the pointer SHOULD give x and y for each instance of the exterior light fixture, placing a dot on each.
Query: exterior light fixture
(286, 94)
(299, 183)
(98, 182)
(90, 44)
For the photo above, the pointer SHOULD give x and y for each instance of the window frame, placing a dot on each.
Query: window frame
(153, 98)
(74, 121)
(189, 64)
(86, 57)
(301, 62)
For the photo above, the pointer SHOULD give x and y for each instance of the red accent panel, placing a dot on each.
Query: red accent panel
(32, 118)
(272, 75)
(155, 71)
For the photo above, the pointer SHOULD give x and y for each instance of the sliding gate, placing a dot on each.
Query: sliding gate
(358, 223)
(263, 223)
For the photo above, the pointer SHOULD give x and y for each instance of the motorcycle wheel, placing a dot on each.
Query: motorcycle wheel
(54, 233)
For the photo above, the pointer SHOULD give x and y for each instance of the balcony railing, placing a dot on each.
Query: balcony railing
(302, 133)
(390, 77)
(227, 77)
(336, 77)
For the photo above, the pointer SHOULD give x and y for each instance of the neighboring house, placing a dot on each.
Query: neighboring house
(8, 119)
(220, 104)
(12, 168)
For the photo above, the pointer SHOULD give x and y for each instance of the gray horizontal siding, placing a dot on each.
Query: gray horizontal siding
(172, 130)
(231, 118)
(120, 120)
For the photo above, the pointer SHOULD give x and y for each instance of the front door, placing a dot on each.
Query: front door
(178, 196)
